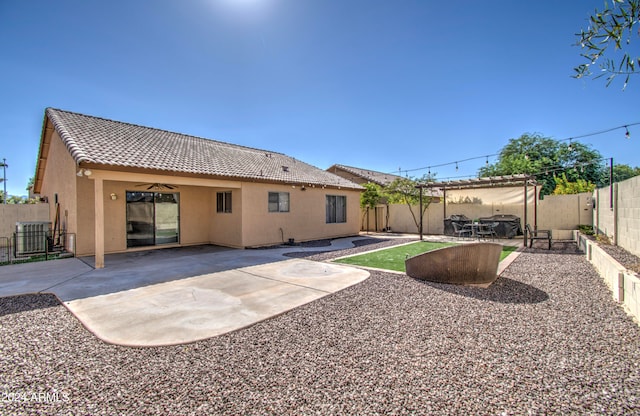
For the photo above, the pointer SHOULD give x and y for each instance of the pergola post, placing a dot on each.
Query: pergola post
(526, 202)
(421, 191)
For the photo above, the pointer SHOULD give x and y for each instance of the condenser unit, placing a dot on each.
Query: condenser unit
(31, 237)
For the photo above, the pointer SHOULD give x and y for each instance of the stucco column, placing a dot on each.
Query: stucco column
(99, 222)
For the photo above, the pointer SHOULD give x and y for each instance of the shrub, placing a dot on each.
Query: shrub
(586, 229)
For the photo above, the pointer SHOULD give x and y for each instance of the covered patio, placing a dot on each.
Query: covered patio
(527, 182)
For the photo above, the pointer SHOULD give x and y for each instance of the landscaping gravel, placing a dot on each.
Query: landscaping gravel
(622, 256)
(546, 338)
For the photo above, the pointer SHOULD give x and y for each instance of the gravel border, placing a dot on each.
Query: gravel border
(622, 256)
(546, 338)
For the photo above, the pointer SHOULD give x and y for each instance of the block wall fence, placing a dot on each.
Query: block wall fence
(560, 213)
(12, 213)
(617, 213)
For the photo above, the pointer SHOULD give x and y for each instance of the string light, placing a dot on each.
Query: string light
(627, 135)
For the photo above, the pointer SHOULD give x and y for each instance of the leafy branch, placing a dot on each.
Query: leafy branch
(615, 25)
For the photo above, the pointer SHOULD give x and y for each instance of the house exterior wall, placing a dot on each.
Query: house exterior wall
(85, 237)
(197, 216)
(306, 219)
(249, 224)
(226, 227)
(60, 178)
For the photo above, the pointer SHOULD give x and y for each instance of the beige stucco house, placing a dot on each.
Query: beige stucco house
(362, 176)
(121, 187)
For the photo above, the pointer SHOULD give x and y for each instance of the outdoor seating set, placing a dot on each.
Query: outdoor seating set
(475, 230)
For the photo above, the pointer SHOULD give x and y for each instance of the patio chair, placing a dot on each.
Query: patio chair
(460, 231)
(463, 264)
(538, 235)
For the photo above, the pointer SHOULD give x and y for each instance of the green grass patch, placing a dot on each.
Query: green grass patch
(393, 258)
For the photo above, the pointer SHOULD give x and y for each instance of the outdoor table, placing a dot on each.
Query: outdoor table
(475, 227)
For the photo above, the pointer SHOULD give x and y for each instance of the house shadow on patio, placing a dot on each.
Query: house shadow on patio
(503, 290)
(25, 303)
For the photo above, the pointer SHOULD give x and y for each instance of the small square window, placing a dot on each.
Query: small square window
(278, 201)
(223, 202)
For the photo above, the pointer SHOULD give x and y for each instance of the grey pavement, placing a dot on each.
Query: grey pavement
(179, 295)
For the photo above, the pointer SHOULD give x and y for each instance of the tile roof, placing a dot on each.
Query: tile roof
(380, 178)
(107, 142)
(367, 174)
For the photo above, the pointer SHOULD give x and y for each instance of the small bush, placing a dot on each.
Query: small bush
(603, 239)
(586, 229)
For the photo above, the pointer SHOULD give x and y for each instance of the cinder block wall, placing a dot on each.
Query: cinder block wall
(565, 212)
(561, 213)
(12, 213)
(622, 222)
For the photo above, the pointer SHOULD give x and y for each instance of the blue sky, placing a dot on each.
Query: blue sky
(377, 84)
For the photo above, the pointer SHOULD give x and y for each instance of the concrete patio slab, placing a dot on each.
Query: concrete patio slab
(37, 277)
(180, 295)
(201, 307)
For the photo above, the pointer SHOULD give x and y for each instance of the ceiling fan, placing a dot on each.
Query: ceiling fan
(158, 186)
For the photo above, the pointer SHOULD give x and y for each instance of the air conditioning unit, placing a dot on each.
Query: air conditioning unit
(31, 237)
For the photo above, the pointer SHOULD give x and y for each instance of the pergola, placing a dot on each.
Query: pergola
(490, 182)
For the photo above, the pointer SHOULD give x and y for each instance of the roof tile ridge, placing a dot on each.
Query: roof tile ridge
(356, 169)
(232, 145)
(76, 152)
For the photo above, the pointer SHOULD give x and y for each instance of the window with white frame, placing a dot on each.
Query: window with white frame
(336, 209)
(223, 201)
(278, 201)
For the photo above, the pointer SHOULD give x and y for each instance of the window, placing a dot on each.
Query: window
(223, 201)
(336, 209)
(278, 201)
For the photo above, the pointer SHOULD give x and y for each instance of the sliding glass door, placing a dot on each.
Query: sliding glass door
(153, 218)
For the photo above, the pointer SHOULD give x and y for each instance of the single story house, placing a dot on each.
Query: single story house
(120, 187)
(362, 176)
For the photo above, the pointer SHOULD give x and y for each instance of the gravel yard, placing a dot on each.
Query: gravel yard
(546, 338)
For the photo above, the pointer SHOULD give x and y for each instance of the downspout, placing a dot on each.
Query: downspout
(535, 207)
(421, 191)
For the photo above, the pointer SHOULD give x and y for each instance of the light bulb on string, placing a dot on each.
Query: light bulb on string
(627, 134)
(570, 147)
